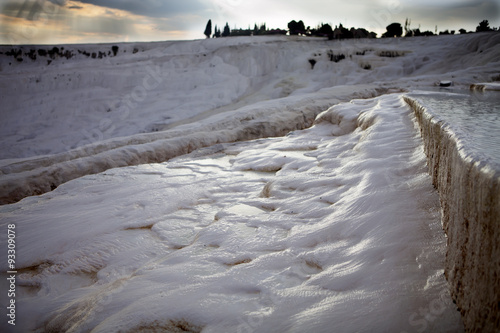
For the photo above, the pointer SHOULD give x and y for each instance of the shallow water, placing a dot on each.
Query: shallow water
(473, 116)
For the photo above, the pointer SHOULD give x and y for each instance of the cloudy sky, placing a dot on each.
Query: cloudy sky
(92, 21)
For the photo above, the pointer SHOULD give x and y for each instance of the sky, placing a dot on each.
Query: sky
(99, 21)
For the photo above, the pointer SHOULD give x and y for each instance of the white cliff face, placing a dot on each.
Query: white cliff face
(469, 190)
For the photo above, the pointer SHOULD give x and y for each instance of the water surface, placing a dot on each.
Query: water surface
(473, 116)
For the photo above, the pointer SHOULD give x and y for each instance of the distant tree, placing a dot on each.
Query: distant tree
(262, 29)
(301, 28)
(216, 32)
(408, 31)
(414, 33)
(208, 29)
(241, 32)
(484, 25)
(344, 32)
(393, 30)
(361, 33)
(292, 26)
(296, 28)
(325, 31)
(226, 32)
(462, 31)
(276, 32)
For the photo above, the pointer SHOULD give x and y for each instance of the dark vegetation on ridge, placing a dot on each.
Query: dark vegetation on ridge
(58, 52)
(339, 32)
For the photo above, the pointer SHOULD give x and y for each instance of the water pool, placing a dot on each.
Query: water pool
(473, 116)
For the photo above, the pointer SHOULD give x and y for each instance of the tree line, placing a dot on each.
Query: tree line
(226, 32)
(395, 29)
(339, 32)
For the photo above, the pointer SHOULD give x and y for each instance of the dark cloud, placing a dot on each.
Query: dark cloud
(153, 8)
(59, 2)
(467, 12)
(473, 9)
(31, 10)
(44, 11)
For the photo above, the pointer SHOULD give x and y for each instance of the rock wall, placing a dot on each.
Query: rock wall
(469, 192)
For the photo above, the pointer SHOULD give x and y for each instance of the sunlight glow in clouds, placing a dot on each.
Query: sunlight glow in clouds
(28, 22)
(92, 21)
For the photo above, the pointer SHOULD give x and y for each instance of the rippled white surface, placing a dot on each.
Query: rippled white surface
(473, 116)
(335, 228)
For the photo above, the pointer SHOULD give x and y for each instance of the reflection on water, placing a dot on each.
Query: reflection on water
(473, 116)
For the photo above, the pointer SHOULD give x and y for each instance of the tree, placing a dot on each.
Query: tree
(484, 25)
(361, 33)
(208, 29)
(226, 31)
(343, 33)
(216, 32)
(415, 33)
(296, 28)
(462, 31)
(262, 29)
(325, 31)
(393, 30)
(408, 31)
